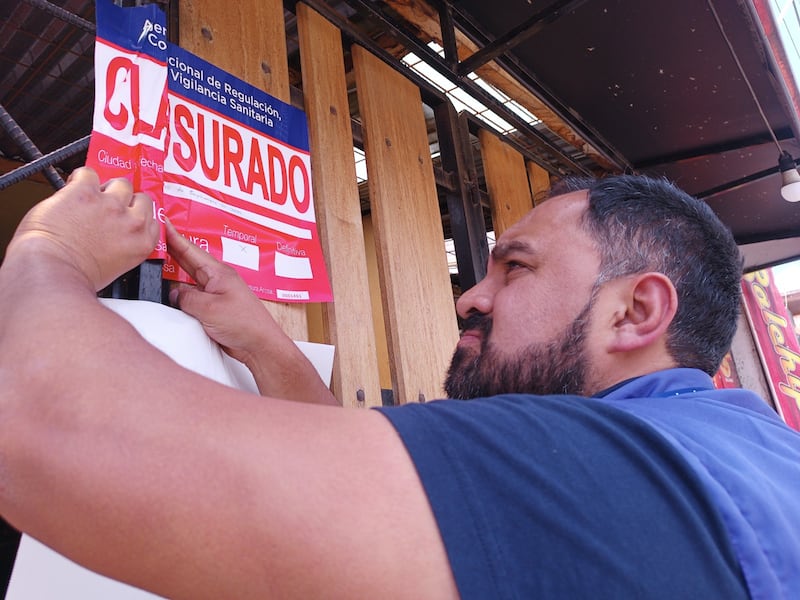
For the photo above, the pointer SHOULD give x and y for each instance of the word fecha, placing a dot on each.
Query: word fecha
(106, 158)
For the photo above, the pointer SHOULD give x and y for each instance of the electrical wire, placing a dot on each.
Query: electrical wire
(744, 76)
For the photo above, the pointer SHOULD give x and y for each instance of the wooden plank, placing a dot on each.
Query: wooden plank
(506, 181)
(346, 322)
(245, 38)
(248, 40)
(415, 282)
(539, 180)
(378, 321)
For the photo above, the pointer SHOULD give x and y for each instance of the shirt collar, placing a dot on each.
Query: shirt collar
(669, 382)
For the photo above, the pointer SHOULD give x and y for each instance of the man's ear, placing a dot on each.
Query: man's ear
(648, 304)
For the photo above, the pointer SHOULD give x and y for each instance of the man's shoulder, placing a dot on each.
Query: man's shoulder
(524, 484)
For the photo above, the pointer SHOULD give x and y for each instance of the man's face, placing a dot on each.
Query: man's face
(526, 324)
(555, 367)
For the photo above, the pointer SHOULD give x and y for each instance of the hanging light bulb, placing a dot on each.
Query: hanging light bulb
(790, 190)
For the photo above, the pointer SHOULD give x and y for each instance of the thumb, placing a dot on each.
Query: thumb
(191, 300)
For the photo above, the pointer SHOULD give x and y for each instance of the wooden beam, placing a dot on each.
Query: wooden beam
(539, 180)
(248, 40)
(506, 181)
(415, 282)
(467, 226)
(346, 321)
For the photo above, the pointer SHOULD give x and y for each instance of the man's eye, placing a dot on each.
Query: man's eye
(513, 266)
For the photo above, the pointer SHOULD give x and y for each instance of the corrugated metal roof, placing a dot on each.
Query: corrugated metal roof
(46, 75)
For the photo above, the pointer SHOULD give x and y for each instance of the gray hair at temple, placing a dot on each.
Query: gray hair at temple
(643, 224)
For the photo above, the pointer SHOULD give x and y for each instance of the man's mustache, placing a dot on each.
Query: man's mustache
(477, 322)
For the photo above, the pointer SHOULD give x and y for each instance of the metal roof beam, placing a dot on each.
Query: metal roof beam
(715, 150)
(44, 162)
(64, 15)
(517, 35)
(567, 163)
(29, 149)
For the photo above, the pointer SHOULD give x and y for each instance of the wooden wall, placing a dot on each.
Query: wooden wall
(412, 306)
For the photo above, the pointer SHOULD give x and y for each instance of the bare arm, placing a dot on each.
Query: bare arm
(123, 461)
(237, 320)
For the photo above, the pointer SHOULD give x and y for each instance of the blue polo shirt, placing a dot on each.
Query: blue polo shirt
(661, 488)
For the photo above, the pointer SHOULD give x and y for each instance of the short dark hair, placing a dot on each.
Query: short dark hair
(644, 224)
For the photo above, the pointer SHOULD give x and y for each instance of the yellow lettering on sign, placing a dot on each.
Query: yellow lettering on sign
(789, 359)
(776, 334)
(791, 392)
(761, 296)
(775, 319)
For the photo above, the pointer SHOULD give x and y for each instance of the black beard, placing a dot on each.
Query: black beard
(555, 367)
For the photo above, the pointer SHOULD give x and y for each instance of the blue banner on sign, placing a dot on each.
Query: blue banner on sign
(205, 84)
(149, 22)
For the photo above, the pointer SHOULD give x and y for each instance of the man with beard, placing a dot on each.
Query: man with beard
(594, 460)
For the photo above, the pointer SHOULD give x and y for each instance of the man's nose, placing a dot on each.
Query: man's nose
(478, 298)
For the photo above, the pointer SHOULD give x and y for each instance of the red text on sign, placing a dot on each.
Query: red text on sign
(228, 157)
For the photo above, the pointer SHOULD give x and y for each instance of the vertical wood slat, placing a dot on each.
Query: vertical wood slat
(415, 282)
(347, 321)
(539, 180)
(256, 29)
(506, 181)
(245, 38)
(376, 299)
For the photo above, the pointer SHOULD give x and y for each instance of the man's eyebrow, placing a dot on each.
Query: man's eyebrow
(503, 249)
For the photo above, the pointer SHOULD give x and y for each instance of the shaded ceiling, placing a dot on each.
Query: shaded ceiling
(620, 85)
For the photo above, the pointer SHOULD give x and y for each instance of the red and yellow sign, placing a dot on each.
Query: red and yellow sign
(726, 376)
(776, 341)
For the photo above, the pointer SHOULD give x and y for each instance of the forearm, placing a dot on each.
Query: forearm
(58, 431)
(135, 467)
(283, 371)
(106, 443)
(232, 316)
(148, 473)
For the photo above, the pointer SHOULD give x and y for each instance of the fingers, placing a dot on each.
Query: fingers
(191, 259)
(191, 300)
(139, 205)
(177, 292)
(119, 190)
(119, 186)
(101, 230)
(142, 205)
(84, 175)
